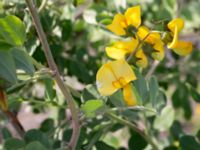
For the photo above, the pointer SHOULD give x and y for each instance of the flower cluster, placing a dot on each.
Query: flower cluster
(118, 74)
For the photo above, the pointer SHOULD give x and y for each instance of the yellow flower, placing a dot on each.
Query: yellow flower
(119, 49)
(158, 53)
(141, 59)
(180, 47)
(115, 75)
(120, 22)
(153, 39)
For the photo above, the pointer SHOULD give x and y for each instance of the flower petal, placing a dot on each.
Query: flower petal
(142, 60)
(133, 16)
(122, 69)
(117, 25)
(151, 38)
(175, 39)
(116, 53)
(121, 48)
(129, 95)
(142, 32)
(183, 48)
(158, 53)
(111, 72)
(105, 78)
(178, 22)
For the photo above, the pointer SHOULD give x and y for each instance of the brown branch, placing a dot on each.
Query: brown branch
(71, 104)
(152, 69)
(15, 122)
(137, 47)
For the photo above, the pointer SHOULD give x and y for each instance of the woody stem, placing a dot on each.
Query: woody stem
(52, 65)
(137, 47)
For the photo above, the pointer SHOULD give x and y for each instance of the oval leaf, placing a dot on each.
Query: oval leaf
(165, 119)
(23, 60)
(7, 67)
(92, 107)
(12, 30)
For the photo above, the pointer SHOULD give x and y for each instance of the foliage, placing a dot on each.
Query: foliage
(165, 113)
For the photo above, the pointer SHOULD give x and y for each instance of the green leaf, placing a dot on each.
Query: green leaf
(176, 129)
(136, 142)
(165, 119)
(66, 28)
(195, 95)
(7, 67)
(188, 142)
(81, 139)
(94, 138)
(153, 89)
(161, 100)
(106, 21)
(141, 86)
(90, 92)
(180, 98)
(138, 98)
(103, 146)
(35, 146)
(6, 133)
(93, 107)
(171, 148)
(4, 46)
(47, 126)
(14, 103)
(50, 93)
(36, 135)
(117, 99)
(14, 144)
(23, 60)
(67, 135)
(180, 93)
(12, 30)
(198, 135)
(170, 3)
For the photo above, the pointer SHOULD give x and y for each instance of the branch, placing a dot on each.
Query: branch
(71, 104)
(135, 128)
(137, 47)
(152, 69)
(15, 122)
(44, 2)
(12, 117)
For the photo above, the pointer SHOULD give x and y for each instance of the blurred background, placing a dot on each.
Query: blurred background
(76, 32)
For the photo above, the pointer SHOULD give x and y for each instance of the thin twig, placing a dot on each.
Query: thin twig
(15, 122)
(42, 6)
(136, 108)
(137, 47)
(71, 104)
(135, 128)
(152, 69)
(29, 80)
(36, 64)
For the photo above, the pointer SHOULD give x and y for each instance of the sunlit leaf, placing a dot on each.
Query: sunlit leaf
(165, 119)
(12, 30)
(92, 107)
